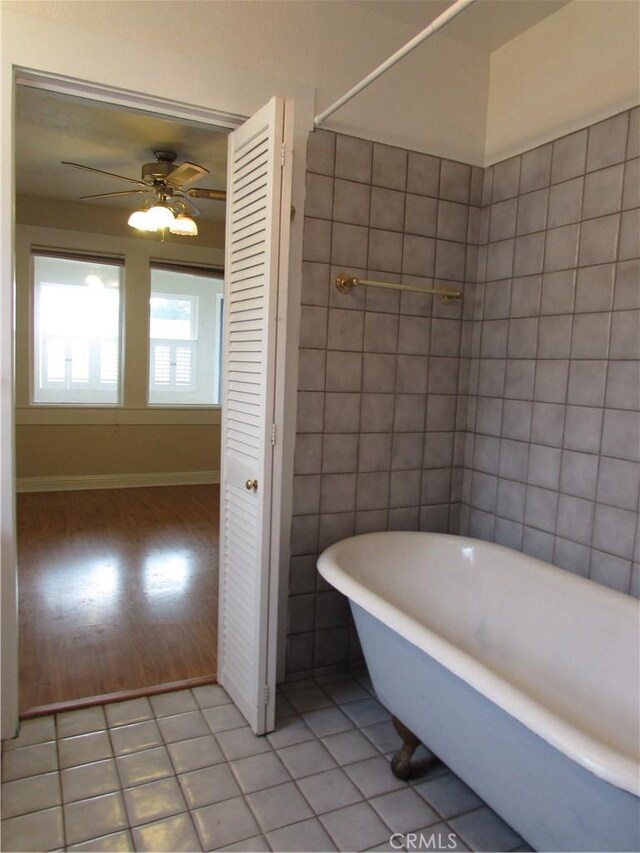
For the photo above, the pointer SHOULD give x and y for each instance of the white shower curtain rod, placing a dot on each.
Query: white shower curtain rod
(437, 24)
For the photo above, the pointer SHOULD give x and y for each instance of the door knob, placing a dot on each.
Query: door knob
(251, 485)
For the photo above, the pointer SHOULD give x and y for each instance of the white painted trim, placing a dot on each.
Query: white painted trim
(120, 416)
(8, 557)
(283, 450)
(117, 97)
(282, 471)
(115, 481)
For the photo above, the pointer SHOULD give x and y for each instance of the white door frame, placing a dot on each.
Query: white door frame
(285, 403)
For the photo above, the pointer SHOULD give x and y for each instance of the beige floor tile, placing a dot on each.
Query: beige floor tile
(30, 795)
(89, 780)
(95, 817)
(36, 831)
(172, 834)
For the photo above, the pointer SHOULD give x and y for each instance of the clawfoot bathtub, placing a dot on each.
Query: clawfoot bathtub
(522, 677)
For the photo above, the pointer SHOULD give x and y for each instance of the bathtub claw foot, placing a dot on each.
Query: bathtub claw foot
(401, 761)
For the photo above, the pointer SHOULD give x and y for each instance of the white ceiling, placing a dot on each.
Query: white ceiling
(487, 24)
(52, 127)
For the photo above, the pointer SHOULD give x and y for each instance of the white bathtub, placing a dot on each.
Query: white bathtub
(523, 678)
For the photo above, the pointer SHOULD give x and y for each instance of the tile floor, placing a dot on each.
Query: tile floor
(182, 771)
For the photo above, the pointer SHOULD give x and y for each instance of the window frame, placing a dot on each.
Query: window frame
(34, 342)
(213, 272)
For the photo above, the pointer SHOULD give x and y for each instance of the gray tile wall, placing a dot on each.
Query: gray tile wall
(553, 450)
(380, 424)
(512, 416)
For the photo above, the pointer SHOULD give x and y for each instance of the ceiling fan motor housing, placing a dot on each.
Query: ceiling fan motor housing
(158, 170)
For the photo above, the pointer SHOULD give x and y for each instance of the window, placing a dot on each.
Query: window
(76, 326)
(185, 321)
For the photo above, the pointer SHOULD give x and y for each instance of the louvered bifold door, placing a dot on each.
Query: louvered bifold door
(253, 269)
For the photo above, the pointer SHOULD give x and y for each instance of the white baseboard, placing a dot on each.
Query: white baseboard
(115, 481)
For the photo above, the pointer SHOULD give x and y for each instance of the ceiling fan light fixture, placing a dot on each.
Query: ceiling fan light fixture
(159, 216)
(139, 220)
(184, 225)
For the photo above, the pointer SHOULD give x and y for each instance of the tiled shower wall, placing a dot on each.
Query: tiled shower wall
(551, 463)
(378, 406)
(513, 416)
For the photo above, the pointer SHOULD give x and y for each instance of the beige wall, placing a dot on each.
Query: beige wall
(578, 66)
(62, 445)
(80, 450)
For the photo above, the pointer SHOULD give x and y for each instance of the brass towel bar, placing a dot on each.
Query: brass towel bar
(345, 283)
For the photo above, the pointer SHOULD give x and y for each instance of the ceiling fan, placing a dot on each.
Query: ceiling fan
(162, 177)
(169, 184)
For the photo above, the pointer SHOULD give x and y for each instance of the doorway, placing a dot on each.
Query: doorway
(117, 506)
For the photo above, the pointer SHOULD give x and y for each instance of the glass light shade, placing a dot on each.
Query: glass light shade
(140, 220)
(160, 216)
(184, 225)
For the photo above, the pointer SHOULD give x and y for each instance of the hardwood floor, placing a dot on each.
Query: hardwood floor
(118, 590)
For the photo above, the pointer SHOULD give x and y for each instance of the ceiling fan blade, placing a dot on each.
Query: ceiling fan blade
(102, 172)
(189, 204)
(112, 195)
(205, 192)
(185, 173)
